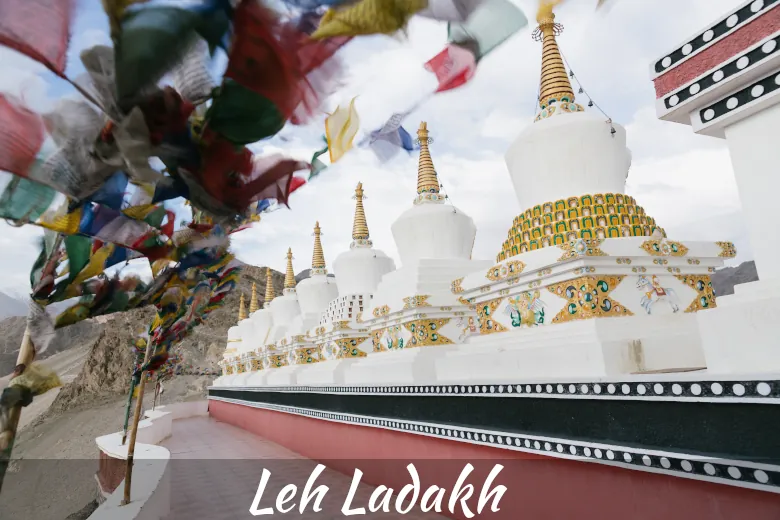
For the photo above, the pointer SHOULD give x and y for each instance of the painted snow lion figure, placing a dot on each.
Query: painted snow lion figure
(655, 293)
(526, 309)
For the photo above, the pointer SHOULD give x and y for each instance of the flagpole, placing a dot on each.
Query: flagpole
(23, 360)
(127, 408)
(134, 429)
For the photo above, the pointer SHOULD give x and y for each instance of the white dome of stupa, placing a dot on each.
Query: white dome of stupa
(431, 229)
(261, 320)
(359, 270)
(569, 167)
(285, 308)
(318, 290)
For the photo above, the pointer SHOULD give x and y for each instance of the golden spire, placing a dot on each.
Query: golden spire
(289, 276)
(253, 306)
(269, 288)
(555, 86)
(427, 181)
(359, 226)
(317, 257)
(241, 308)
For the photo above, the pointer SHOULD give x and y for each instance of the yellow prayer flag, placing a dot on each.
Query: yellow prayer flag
(341, 127)
(368, 17)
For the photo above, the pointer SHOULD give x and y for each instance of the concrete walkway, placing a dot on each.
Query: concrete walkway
(216, 469)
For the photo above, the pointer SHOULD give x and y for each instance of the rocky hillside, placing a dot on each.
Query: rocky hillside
(107, 368)
(12, 330)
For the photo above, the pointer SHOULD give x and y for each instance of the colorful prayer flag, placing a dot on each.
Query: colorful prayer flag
(454, 67)
(450, 10)
(21, 136)
(341, 127)
(386, 145)
(368, 17)
(490, 25)
(39, 29)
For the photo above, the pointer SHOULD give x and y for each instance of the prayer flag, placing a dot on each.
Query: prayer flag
(296, 183)
(192, 78)
(155, 35)
(39, 29)
(21, 136)
(450, 10)
(341, 127)
(368, 17)
(316, 164)
(454, 66)
(490, 25)
(387, 145)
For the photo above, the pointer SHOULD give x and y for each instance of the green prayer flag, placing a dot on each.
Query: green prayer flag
(316, 165)
(490, 25)
(79, 249)
(25, 200)
(241, 115)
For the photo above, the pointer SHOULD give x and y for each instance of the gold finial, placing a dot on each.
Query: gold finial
(253, 306)
(427, 181)
(241, 308)
(269, 288)
(289, 276)
(554, 86)
(359, 226)
(317, 257)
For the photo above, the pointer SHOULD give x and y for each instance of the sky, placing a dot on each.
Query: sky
(683, 180)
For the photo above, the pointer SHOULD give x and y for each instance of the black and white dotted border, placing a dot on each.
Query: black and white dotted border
(747, 95)
(757, 476)
(768, 48)
(768, 390)
(716, 31)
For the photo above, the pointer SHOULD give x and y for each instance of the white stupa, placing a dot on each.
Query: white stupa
(414, 306)
(262, 319)
(285, 308)
(315, 292)
(586, 284)
(358, 270)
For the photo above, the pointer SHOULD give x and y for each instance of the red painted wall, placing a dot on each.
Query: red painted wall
(730, 46)
(539, 487)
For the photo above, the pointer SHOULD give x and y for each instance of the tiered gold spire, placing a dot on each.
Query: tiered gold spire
(317, 257)
(289, 275)
(359, 226)
(427, 181)
(241, 308)
(269, 288)
(253, 305)
(555, 85)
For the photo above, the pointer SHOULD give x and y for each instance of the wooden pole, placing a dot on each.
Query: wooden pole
(127, 408)
(23, 360)
(134, 429)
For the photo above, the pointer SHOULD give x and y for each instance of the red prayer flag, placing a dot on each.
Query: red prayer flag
(296, 183)
(39, 29)
(274, 58)
(233, 177)
(454, 67)
(21, 136)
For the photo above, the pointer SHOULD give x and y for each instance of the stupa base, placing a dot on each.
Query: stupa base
(741, 334)
(287, 375)
(407, 366)
(588, 348)
(329, 372)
